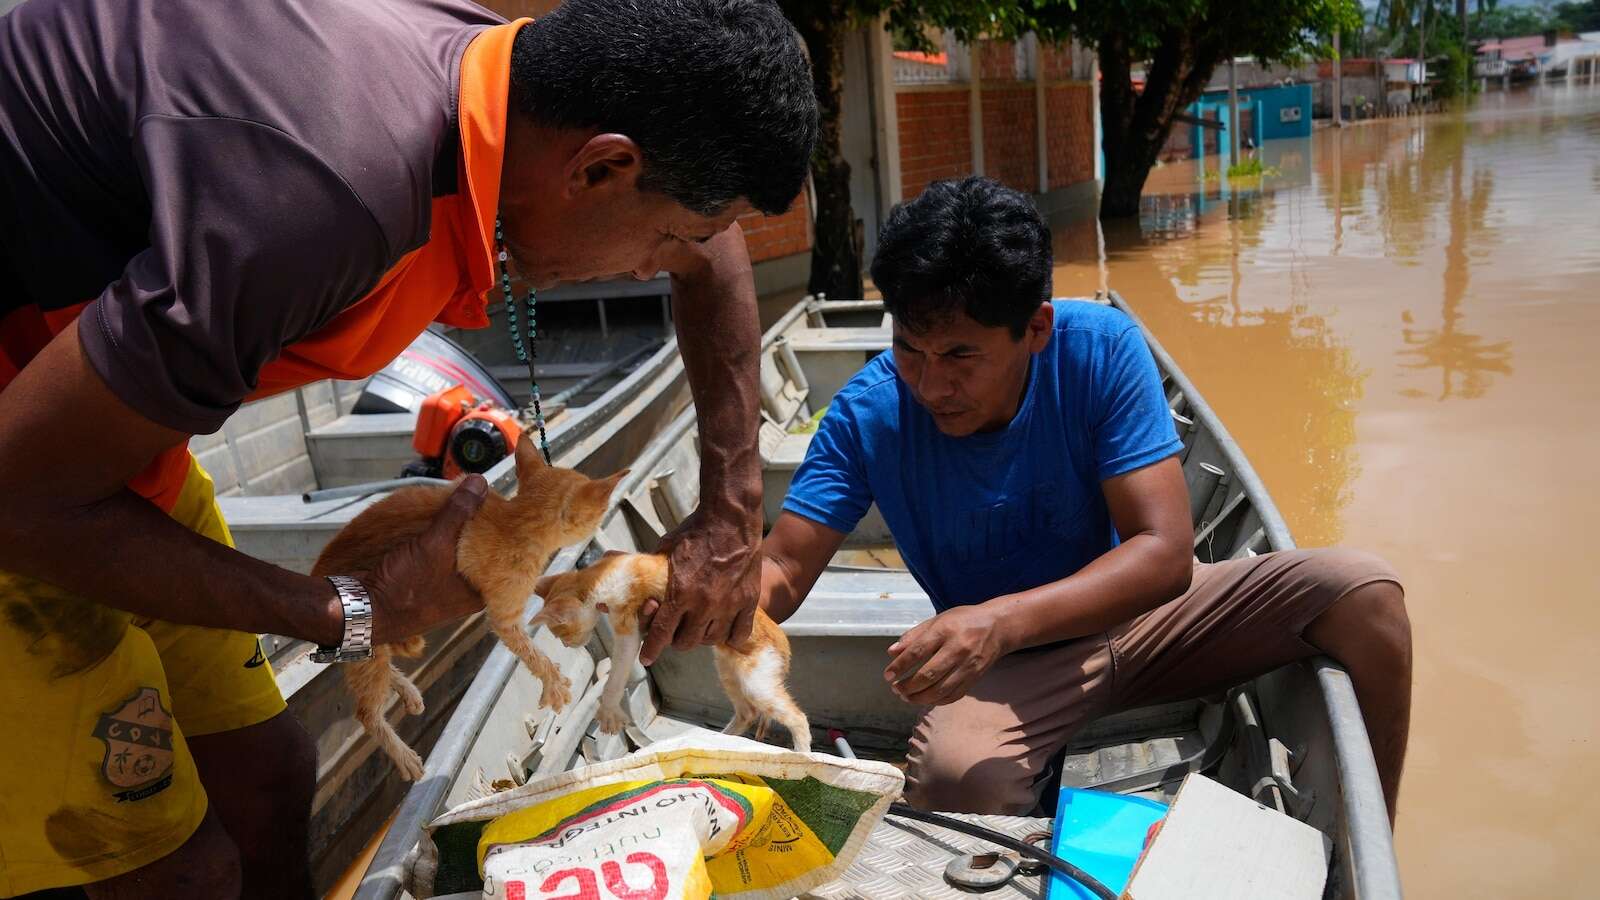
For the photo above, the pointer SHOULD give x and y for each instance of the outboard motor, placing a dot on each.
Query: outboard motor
(432, 363)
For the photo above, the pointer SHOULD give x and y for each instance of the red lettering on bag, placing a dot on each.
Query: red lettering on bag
(588, 888)
(625, 891)
(516, 890)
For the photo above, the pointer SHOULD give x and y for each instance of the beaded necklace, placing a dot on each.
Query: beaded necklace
(526, 353)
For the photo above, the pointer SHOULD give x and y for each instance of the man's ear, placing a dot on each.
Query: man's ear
(1039, 326)
(604, 160)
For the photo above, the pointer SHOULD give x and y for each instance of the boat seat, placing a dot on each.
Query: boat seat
(779, 460)
(832, 356)
(825, 339)
(790, 452)
(284, 530)
(354, 449)
(860, 603)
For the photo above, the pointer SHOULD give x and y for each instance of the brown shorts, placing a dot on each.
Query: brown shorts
(1239, 619)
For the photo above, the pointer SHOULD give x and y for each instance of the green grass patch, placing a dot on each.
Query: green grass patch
(1248, 168)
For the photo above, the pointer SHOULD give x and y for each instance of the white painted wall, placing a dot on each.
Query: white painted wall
(858, 138)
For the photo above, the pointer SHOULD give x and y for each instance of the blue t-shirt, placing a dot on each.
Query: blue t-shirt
(999, 512)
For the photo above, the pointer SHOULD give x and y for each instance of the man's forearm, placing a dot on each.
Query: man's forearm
(1133, 578)
(779, 598)
(125, 553)
(719, 335)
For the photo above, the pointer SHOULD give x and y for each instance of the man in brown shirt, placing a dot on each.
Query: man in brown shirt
(201, 203)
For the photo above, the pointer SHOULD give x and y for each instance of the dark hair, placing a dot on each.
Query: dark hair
(973, 245)
(716, 93)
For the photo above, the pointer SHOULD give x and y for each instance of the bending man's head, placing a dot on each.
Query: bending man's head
(680, 114)
(965, 271)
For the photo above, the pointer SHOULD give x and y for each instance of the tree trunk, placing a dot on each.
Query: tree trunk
(1119, 196)
(835, 255)
(1137, 124)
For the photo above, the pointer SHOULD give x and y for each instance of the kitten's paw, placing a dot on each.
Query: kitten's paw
(557, 694)
(612, 720)
(409, 765)
(410, 698)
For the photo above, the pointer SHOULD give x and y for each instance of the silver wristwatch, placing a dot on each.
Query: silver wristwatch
(357, 641)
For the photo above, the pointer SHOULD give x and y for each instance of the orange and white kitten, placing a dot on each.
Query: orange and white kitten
(502, 551)
(752, 673)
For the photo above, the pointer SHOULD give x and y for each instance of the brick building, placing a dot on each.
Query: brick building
(1024, 113)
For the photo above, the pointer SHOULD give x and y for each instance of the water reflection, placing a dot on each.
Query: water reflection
(1328, 313)
(1465, 361)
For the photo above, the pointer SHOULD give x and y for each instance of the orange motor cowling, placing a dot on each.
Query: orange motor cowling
(456, 434)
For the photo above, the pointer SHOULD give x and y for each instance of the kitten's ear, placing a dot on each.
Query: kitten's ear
(598, 490)
(529, 459)
(545, 585)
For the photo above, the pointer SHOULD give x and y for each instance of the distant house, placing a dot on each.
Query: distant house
(1540, 55)
(1517, 57)
(1405, 71)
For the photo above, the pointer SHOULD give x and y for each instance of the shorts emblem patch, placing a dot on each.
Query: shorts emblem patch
(138, 737)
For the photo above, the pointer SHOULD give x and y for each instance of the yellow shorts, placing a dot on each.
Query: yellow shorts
(96, 779)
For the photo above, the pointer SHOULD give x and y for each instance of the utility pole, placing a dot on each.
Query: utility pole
(1233, 114)
(1338, 82)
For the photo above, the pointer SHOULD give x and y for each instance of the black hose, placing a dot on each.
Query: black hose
(1008, 842)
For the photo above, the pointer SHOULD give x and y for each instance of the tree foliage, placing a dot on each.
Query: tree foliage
(1269, 30)
(1583, 16)
(1511, 21)
(1493, 19)
(1180, 43)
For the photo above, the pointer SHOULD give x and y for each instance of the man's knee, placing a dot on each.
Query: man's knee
(1369, 618)
(954, 779)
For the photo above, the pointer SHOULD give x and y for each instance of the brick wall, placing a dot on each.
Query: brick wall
(1010, 136)
(771, 237)
(997, 60)
(1069, 127)
(1056, 60)
(935, 136)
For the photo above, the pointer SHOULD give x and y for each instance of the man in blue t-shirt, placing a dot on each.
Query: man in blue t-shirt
(1024, 458)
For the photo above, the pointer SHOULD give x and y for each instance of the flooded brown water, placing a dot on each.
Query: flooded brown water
(1402, 329)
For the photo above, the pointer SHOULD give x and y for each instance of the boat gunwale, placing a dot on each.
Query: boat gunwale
(1374, 868)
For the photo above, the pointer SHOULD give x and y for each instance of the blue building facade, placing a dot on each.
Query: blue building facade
(1280, 111)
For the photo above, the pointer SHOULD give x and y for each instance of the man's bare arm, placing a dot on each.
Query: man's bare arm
(68, 446)
(715, 565)
(1153, 564)
(939, 660)
(793, 557)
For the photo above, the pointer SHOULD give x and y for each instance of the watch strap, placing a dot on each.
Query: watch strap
(356, 642)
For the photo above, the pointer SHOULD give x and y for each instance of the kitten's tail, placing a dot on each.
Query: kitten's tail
(411, 647)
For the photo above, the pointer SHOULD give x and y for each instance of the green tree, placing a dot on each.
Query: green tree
(1510, 21)
(1181, 42)
(1583, 16)
(825, 25)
